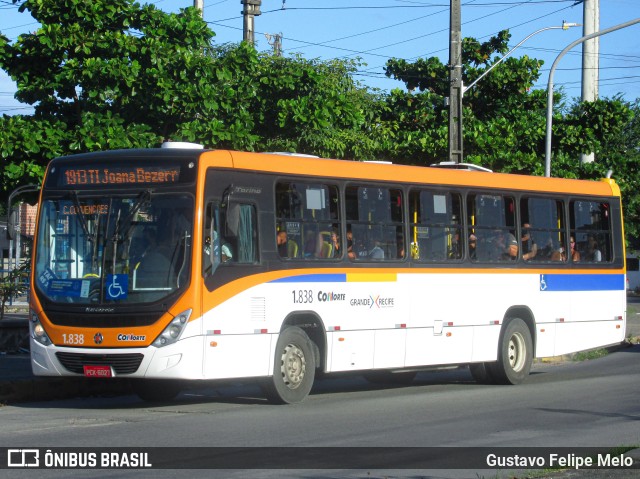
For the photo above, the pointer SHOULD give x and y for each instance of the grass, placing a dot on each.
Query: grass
(591, 354)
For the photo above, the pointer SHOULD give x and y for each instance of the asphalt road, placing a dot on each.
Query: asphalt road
(562, 404)
(565, 404)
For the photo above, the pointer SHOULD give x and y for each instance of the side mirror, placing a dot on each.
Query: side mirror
(12, 225)
(232, 220)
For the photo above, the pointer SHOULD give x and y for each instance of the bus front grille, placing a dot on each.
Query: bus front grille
(121, 363)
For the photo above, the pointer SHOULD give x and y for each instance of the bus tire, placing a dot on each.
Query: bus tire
(481, 372)
(156, 390)
(293, 369)
(515, 354)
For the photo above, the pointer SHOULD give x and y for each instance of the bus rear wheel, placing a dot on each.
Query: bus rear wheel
(481, 372)
(294, 368)
(515, 355)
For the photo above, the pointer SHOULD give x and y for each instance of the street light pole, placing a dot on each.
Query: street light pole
(547, 162)
(564, 26)
(457, 90)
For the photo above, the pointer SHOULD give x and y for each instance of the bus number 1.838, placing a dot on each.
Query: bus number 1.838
(302, 296)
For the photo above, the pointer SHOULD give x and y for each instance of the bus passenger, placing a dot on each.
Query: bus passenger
(575, 254)
(473, 242)
(312, 244)
(335, 243)
(226, 253)
(281, 242)
(350, 253)
(593, 253)
(154, 270)
(376, 252)
(511, 249)
(529, 247)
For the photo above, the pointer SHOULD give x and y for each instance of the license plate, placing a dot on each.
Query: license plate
(99, 371)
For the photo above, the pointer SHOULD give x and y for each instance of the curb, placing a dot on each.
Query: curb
(627, 343)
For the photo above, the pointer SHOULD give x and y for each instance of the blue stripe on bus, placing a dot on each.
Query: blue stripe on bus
(582, 282)
(313, 278)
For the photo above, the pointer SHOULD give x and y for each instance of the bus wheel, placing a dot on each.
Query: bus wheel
(481, 372)
(294, 368)
(156, 390)
(515, 354)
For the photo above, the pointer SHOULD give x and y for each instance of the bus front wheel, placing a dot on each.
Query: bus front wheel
(294, 368)
(515, 354)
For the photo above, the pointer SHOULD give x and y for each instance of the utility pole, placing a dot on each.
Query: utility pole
(276, 44)
(455, 83)
(251, 9)
(199, 4)
(590, 58)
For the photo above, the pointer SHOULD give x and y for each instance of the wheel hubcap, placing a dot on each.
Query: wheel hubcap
(293, 366)
(517, 352)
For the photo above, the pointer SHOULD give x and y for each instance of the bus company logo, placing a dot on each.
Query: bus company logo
(98, 338)
(131, 337)
(331, 296)
(378, 302)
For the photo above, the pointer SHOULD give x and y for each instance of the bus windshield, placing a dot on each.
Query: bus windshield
(100, 249)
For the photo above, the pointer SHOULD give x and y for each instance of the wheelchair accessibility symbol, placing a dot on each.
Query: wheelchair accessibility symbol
(117, 286)
(543, 283)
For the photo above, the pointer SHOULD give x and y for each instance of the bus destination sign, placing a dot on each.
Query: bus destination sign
(120, 175)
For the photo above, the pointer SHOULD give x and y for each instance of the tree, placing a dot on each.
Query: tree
(311, 106)
(496, 114)
(13, 284)
(114, 74)
(616, 150)
(504, 121)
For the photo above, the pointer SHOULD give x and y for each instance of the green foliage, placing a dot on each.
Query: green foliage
(13, 284)
(117, 74)
(590, 355)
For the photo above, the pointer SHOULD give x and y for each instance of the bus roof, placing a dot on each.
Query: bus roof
(346, 169)
(366, 171)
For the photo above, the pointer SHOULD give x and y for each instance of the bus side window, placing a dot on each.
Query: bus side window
(543, 230)
(374, 222)
(306, 216)
(435, 225)
(591, 227)
(217, 247)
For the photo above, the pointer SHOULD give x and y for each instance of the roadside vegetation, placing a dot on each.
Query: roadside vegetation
(118, 74)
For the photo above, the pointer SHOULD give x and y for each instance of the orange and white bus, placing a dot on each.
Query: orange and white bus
(173, 264)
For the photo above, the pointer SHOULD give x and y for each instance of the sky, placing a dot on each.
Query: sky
(373, 31)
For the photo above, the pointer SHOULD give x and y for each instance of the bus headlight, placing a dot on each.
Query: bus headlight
(174, 330)
(37, 331)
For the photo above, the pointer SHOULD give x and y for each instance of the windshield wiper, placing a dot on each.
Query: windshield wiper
(80, 215)
(91, 237)
(143, 198)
